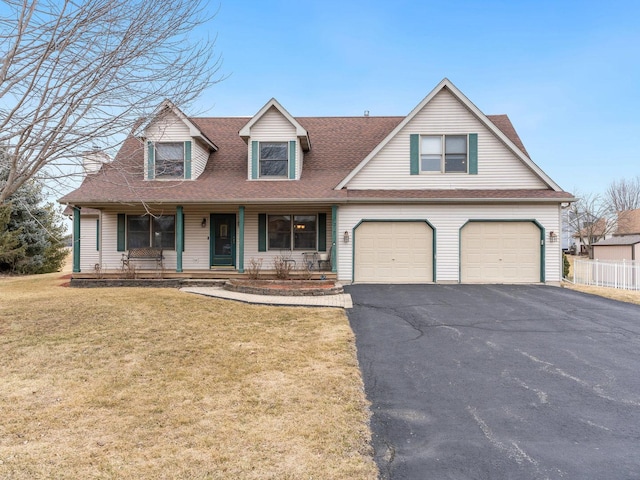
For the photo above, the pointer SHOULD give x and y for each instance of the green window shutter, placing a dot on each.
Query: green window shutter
(254, 159)
(292, 160)
(151, 164)
(322, 232)
(122, 225)
(98, 235)
(183, 237)
(262, 232)
(76, 239)
(187, 160)
(414, 153)
(473, 153)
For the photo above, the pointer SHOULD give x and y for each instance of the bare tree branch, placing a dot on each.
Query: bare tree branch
(591, 219)
(79, 74)
(624, 194)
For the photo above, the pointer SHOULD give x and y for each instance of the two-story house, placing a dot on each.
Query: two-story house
(444, 194)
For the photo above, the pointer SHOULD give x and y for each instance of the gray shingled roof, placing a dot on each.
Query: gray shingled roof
(622, 240)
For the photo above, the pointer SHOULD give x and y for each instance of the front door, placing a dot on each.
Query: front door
(223, 239)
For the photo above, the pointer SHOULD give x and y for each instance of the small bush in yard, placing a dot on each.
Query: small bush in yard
(283, 267)
(566, 266)
(254, 268)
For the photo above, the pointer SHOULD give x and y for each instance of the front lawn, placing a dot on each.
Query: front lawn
(155, 383)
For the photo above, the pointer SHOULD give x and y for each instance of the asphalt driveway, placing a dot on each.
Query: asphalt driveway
(499, 382)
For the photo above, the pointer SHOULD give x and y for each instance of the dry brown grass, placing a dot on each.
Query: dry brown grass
(628, 296)
(155, 383)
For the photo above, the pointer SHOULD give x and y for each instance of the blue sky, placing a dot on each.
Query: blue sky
(566, 72)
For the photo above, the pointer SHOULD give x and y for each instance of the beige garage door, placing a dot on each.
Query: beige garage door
(393, 252)
(500, 252)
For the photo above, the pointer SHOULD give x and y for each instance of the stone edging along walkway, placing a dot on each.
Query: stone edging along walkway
(293, 288)
(283, 289)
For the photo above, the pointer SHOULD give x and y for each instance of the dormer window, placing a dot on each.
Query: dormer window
(274, 159)
(276, 142)
(169, 160)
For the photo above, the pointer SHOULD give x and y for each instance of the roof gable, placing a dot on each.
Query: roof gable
(194, 130)
(301, 132)
(511, 140)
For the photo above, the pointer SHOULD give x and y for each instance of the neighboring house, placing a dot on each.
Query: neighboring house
(626, 247)
(445, 194)
(628, 223)
(625, 243)
(591, 233)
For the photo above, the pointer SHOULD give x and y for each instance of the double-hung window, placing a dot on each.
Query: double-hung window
(444, 153)
(169, 160)
(146, 231)
(274, 159)
(297, 232)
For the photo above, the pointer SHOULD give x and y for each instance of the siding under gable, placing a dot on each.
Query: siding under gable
(170, 128)
(199, 158)
(498, 166)
(274, 127)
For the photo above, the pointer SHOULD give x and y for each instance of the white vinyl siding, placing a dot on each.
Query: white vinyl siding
(199, 158)
(274, 127)
(111, 257)
(498, 166)
(251, 233)
(447, 220)
(169, 128)
(89, 255)
(196, 252)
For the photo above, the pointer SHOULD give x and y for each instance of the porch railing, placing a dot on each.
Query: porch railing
(607, 273)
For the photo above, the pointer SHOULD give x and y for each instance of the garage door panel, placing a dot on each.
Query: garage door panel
(393, 252)
(500, 252)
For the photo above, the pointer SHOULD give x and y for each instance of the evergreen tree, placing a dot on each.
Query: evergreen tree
(34, 232)
(10, 247)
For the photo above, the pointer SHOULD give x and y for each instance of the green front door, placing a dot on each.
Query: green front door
(223, 239)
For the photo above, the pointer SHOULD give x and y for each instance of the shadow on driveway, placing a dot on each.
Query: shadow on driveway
(499, 381)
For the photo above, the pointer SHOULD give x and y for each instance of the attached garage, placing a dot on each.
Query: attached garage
(393, 252)
(500, 252)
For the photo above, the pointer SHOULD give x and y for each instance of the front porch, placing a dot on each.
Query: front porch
(206, 275)
(208, 242)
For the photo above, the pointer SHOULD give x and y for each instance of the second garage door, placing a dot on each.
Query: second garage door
(500, 252)
(393, 252)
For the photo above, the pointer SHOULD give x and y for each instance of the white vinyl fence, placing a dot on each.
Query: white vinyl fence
(608, 273)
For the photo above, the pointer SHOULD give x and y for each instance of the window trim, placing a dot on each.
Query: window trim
(443, 154)
(156, 157)
(292, 222)
(151, 232)
(259, 160)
